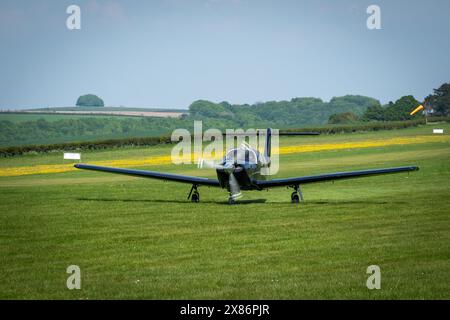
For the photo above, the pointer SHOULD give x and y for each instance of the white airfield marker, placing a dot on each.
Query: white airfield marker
(72, 156)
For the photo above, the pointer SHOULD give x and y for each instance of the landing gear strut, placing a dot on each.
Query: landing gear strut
(231, 200)
(297, 195)
(193, 194)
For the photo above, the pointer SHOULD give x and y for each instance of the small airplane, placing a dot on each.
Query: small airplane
(240, 169)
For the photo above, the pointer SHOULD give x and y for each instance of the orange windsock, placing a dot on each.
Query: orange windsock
(416, 110)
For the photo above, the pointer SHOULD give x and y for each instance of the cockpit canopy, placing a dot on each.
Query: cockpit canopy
(241, 156)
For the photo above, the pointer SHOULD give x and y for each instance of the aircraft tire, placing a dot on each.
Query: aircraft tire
(295, 198)
(195, 197)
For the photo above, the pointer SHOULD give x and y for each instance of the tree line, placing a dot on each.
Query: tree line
(295, 113)
(436, 104)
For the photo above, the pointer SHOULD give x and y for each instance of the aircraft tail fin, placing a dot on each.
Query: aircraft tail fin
(267, 148)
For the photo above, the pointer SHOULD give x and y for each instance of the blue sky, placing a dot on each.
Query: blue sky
(168, 53)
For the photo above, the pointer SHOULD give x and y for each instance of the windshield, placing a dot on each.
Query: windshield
(240, 156)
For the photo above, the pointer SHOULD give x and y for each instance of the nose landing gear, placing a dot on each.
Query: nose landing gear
(233, 197)
(297, 195)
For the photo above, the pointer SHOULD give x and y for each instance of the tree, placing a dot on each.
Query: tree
(401, 109)
(398, 111)
(351, 103)
(440, 100)
(90, 100)
(374, 113)
(342, 118)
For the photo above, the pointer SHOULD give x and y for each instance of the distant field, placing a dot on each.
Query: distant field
(23, 117)
(159, 114)
(67, 114)
(140, 238)
(105, 109)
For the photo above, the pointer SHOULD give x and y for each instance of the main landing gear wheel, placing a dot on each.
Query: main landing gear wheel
(195, 197)
(193, 194)
(294, 197)
(297, 195)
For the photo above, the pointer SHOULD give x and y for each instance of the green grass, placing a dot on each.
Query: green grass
(139, 238)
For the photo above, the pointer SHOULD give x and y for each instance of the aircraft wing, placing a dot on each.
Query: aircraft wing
(330, 177)
(153, 174)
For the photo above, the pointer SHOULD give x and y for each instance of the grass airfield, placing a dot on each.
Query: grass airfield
(140, 238)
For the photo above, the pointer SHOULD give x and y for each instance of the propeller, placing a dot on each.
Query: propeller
(235, 189)
(210, 164)
(227, 167)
